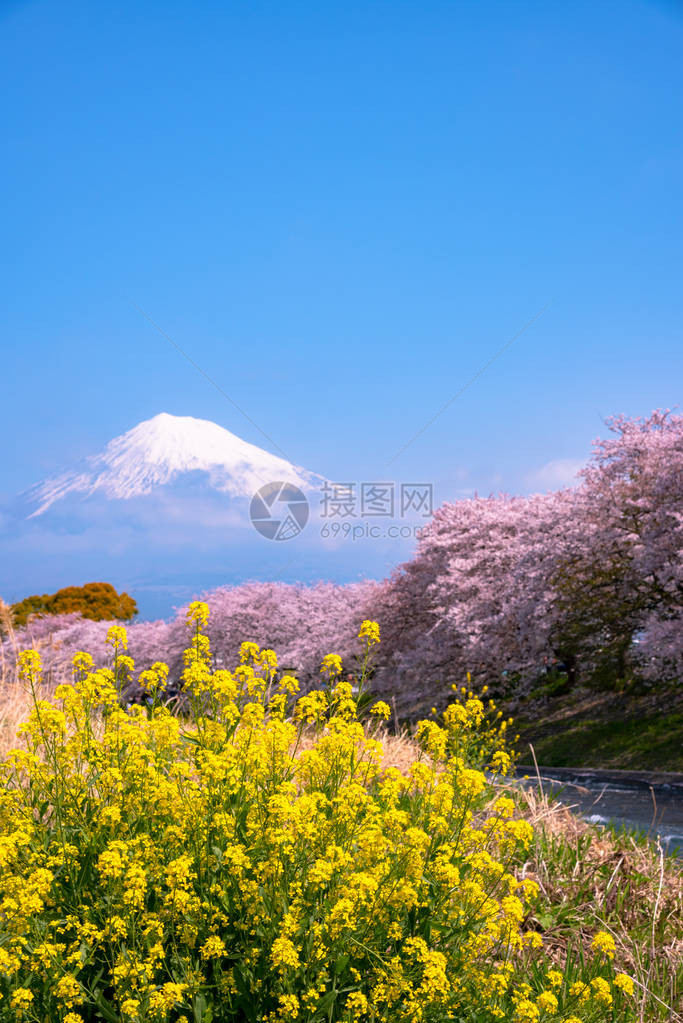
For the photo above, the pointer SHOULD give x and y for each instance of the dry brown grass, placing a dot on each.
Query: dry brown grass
(14, 698)
(6, 630)
(13, 710)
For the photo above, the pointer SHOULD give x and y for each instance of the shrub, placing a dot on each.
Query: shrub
(255, 861)
(97, 601)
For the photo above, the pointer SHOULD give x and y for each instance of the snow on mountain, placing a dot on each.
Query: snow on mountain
(158, 451)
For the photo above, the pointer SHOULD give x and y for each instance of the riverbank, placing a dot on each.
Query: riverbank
(628, 731)
(621, 882)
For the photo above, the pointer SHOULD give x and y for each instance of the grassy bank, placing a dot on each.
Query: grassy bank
(583, 728)
(592, 878)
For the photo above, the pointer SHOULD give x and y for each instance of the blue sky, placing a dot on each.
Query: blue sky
(341, 212)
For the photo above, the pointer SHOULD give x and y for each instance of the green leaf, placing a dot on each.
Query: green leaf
(546, 920)
(326, 1001)
(199, 1008)
(107, 1011)
(341, 964)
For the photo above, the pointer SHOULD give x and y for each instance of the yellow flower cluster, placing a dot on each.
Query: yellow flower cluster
(369, 631)
(331, 665)
(604, 944)
(252, 859)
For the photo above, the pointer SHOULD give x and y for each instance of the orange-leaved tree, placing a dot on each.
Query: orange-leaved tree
(98, 601)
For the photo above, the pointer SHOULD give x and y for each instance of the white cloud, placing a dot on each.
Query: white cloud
(561, 472)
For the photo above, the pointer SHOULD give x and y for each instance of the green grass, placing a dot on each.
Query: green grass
(582, 728)
(652, 744)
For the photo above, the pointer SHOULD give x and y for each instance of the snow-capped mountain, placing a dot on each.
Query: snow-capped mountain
(160, 450)
(167, 511)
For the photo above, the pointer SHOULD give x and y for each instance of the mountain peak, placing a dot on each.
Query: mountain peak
(159, 450)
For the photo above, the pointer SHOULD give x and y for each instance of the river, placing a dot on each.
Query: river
(643, 801)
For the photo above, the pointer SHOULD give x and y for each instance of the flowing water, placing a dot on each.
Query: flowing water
(652, 809)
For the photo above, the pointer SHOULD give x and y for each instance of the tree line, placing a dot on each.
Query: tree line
(586, 582)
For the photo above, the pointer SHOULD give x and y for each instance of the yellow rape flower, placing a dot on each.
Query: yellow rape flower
(229, 819)
(603, 944)
(601, 991)
(213, 948)
(21, 998)
(117, 637)
(30, 667)
(624, 982)
(82, 661)
(129, 1007)
(267, 659)
(68, 991)
(249, 652)
(526, 1011)
(283, 954)
(369, 631)
(198, 612)
(289, 1007)
(288, 684)
(154, 679)
(331, 665)
(547, 1001)
(357, 1005)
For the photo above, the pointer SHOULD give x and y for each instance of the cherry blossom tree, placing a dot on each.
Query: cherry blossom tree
(590, 579)
(632, 568)
(476, 598)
